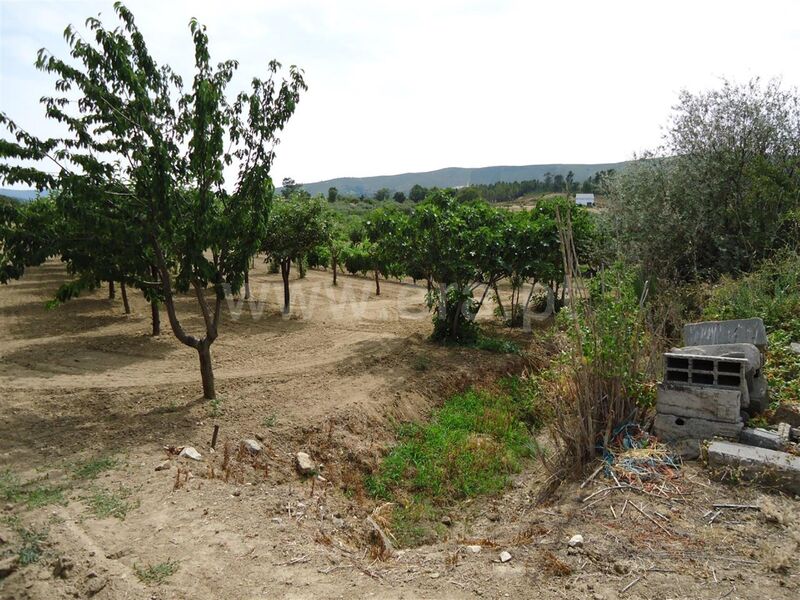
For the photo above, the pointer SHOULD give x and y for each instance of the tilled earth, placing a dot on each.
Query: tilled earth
(84, 382)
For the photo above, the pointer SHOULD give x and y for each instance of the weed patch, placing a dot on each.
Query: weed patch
(31, 493)
(156, 573)
(470, 447)
(91, 469)
(31, 542)
(497, 345)
(104, 503)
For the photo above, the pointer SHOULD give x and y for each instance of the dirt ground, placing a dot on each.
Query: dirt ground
(84, 381)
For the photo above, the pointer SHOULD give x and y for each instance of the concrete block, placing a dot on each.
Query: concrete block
(715, 404)
(779, 469)
(737, 331)
(671, 428)
(763, 438)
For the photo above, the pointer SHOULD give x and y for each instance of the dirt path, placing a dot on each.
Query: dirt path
(84, 381)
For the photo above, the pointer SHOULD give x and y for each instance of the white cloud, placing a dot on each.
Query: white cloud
(405, 86)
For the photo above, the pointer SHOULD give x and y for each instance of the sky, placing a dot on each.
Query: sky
(413, 85)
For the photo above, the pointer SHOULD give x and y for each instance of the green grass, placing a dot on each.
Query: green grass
(92, 468)
(156, 573)
(497, 345)
(470, 447)
(30, 493)
(104, 503)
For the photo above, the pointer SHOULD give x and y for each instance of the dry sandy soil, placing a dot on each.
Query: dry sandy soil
(84, 381)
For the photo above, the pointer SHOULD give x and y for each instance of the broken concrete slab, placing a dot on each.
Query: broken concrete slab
(779, 469)
(715, 404)
(671, 428)
(763, 438)
(736, 331)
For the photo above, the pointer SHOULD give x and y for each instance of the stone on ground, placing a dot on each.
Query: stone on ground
(576, 541)
(304, 464)
(190, 452)
(252, 446)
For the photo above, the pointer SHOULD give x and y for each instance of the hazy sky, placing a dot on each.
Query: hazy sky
(413, 86)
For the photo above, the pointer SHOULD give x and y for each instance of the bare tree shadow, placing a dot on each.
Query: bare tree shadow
(96, 354)
(98, 421)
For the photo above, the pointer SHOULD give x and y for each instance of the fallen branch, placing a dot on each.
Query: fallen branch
(630, 585)
(652, 520)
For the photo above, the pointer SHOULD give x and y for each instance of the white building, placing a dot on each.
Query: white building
(584, 199)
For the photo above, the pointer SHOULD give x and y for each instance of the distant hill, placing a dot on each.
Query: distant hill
(452, 177)
(21, 195)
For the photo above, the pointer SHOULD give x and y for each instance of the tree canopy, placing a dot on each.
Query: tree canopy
(143, 157)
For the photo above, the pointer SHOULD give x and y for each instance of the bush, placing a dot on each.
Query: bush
(772, 293)
(605, 376)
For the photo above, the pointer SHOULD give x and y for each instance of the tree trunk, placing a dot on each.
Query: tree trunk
(112, 292)
(499, 301)
(286, 266)
(333, 261)
(206, 371)
(156, 317)
(125, 303)
(246, 285)
(377, 283)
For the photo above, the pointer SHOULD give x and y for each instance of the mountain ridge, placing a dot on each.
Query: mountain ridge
(455, 177)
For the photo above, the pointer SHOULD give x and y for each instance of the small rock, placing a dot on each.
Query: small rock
(338, 522)
(164, 466)
(259, 437)
(474, 549)
(304, 464)
(190, 452)
(621, 568)
(95, 585)
(598, 597)
(8, 566)
(493, 517)
(786, 413)
(117, 554)
(9, 506)
(505, 556)
(252, 446)
(435, 575)
(576, 541)
(62, 567)
(447, 521)
(795, 347)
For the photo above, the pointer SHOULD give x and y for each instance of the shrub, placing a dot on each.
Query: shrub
(772, 292)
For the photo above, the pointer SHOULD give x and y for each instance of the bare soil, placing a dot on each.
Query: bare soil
(84, 380)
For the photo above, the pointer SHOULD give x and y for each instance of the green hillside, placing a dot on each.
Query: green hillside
(452, 177)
